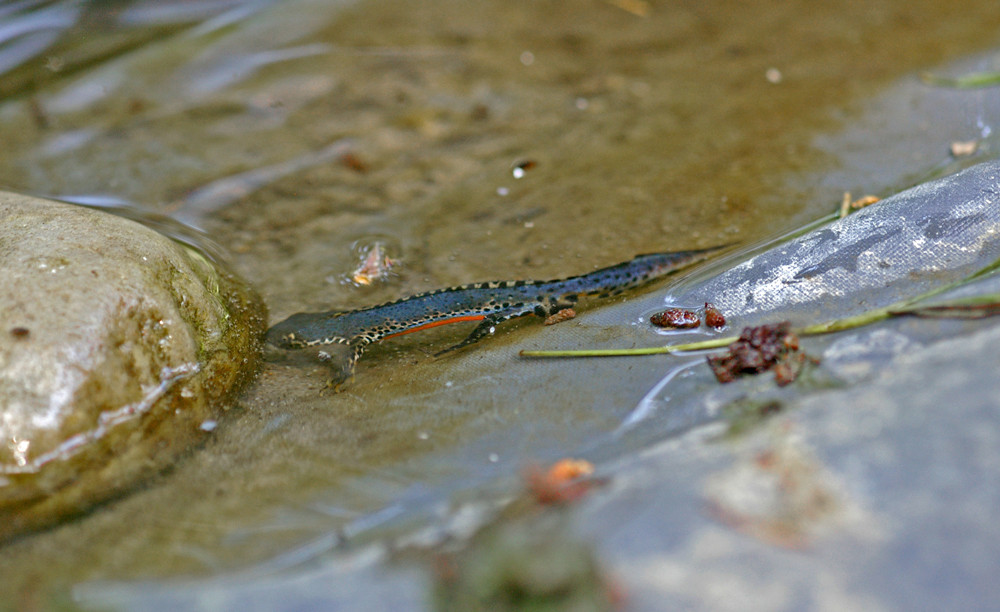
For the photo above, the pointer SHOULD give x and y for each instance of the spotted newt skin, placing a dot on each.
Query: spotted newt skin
(488, 303)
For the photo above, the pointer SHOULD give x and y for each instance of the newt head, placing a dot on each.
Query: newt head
(283, 336)
(303, 329)
(285, 341)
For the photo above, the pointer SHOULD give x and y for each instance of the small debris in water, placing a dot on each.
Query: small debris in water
(522, 167)
(963, 148)
(480, 112)
(563, 315)
(676, 318)
(847, 205)
(375, 266)
(569, 469)
(20, 333)
(565, 482)
(350, 160)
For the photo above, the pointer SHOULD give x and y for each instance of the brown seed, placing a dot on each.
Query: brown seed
(713, 317)
(676, 318)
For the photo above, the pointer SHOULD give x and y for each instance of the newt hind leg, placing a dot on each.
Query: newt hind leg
(486, 327)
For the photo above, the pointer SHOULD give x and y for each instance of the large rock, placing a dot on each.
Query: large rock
(118, 349)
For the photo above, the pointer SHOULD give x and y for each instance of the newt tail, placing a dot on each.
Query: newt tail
(488, 303)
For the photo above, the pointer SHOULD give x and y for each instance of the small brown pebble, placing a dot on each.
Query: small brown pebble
(676, 318)
(20, 333)
(352, 161)
(563, 315)
(713, 317)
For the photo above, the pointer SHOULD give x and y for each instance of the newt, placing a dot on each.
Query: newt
(487, 303)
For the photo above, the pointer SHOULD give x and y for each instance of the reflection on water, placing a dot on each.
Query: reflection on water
(29, 28)
(222, 192)
(227, 71)
(168, 226)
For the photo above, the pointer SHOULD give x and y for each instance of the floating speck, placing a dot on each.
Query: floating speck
(522, 167)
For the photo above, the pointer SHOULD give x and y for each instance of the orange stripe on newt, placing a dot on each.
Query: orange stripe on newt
(436, 323)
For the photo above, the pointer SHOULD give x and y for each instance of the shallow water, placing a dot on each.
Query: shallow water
(291, 131)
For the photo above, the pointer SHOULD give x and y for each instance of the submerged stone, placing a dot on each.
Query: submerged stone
(117, 346)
